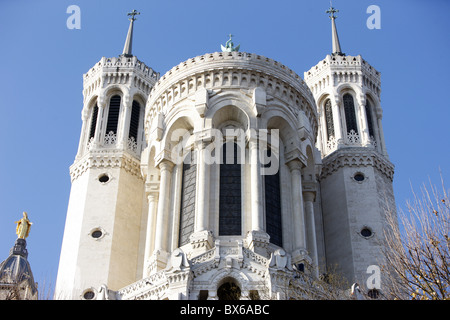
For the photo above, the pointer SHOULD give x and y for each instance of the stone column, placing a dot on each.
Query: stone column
(309, 197)
(257, 238)
(84, 137)
(338, 134)
(203, 189)
(297, 208)
(255, 186)
(98, 135)
(365, 138)
(123, 126)
(149, 239)
(162, 215)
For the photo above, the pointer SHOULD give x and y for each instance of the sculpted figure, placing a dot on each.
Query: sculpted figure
(23, 227)
(178, 260)
(280, 260)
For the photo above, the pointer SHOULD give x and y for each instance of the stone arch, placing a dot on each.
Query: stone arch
(309, 170)
(179, 137)
(229, 289)
(287, 132)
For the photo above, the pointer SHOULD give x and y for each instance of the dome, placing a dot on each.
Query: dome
(16, 268)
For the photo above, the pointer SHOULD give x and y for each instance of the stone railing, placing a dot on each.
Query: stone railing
(110, 141)
(352, 139)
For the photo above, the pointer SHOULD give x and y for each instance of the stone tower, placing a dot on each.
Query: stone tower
(101, 237)
(356, 176)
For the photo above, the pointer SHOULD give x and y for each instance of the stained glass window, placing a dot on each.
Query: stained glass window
(113, 114)
(187, 208)
(369, 119)
(134, 121)
(329, 119)
(273, 206)
(93, 122)
(350, 115)
(230, 194)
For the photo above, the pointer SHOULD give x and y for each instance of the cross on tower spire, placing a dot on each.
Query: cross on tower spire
(336, 46)
(128, 42)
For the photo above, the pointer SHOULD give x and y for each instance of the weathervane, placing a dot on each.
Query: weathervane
(229, 46)
(133, 14)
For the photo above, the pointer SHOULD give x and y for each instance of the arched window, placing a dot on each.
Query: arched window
(113, 114)
(273, 205)
(329, 119)
(369, 119)
(134, 121)
(93, 122)
(187, 207)
(350, 115)
(230, 192)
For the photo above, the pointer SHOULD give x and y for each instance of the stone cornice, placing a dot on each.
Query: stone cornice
(231, 70)
(348, 157)
(119, 71)
(105, 159)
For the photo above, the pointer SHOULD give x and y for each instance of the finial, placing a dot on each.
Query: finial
(229, 46)
(23, 227)
(336, 46)
(133, 14)
(332, 11)
(128, 42)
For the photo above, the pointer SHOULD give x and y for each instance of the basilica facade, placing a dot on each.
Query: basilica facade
(229, 172)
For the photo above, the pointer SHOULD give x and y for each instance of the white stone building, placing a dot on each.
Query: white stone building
(174, 195)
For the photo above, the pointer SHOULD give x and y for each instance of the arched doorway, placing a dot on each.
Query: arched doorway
(229, 290)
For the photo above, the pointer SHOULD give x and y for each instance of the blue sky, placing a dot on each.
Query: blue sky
(43, 64)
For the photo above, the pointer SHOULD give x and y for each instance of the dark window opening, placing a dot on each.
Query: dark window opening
(134, 121)
(89, 295)
(366, 232)
(350, 115)
(369, 119)
(373, 293)
(103, 178)
(230, 194)
(203, 295)
(229, 291)
(187, 208)
(329, 119)
(96, 234)
(273, 205)
(93, 122)
(113, 115)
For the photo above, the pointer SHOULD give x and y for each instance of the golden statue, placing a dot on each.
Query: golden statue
(23, 227)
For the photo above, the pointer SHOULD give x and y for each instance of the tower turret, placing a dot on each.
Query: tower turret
(356, 176)
(107, 188)
(16, 277)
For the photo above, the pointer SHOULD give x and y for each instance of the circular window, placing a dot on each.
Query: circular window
(359, 177)
(103, 178)
(96, 234)
(89, 295)
(366, 232)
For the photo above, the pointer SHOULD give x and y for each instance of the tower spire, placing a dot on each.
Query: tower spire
(128, 42)
(336, 46)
